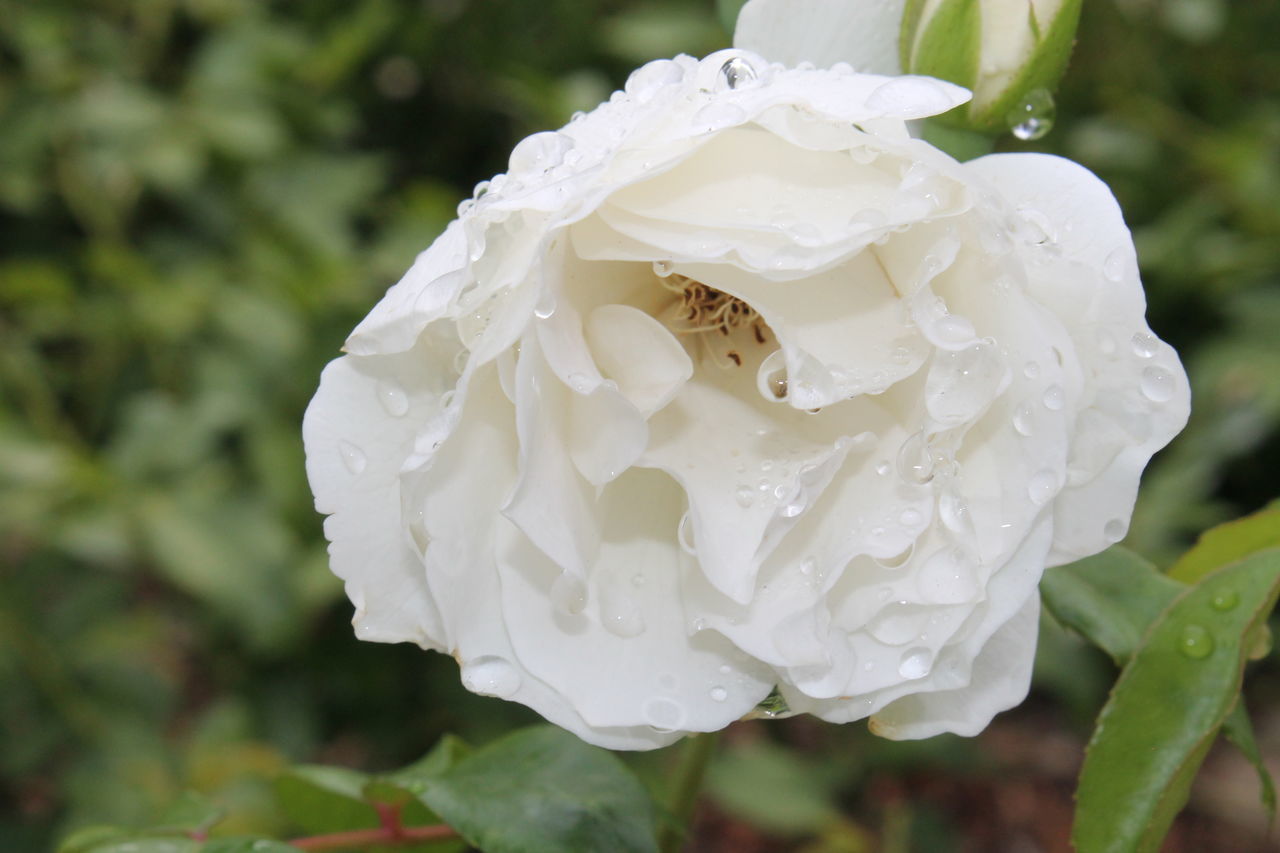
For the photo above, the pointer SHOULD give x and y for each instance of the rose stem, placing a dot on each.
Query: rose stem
(694, 758)
(391, 832)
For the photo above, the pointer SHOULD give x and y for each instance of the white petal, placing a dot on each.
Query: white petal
(1139, 395)
(422, 295)
(637, 352)
(862, 33)
(358, 430)
(1000, 678)
(626, 659)
(551, 503)
(459, 496)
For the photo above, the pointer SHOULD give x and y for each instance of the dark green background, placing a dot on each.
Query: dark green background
(199, 198)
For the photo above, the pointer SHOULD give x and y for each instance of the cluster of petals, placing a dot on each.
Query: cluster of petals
(732, 392)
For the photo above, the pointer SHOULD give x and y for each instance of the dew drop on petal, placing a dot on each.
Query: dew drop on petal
(352, 457)
(568, 593)
(948, 577)
(1195, 642)
(490, 675)
(393, 398)
(648, 79)
(663, 714)
(1023, 420)
(896, 561)
(539, 153)
(737, 73)
(1115, 530)
(915, 461)
(1157, 384)
(915, 663)
(1113, 267)
(910, 517)
(663, 269)
(620, 614)
(1031, 370)
(1054, 398)
(771, 377)
(1042, 486)
(883, 468)
(1144, 345)
(953, 330)
(744, 495)
(719, 694)
(546, 305)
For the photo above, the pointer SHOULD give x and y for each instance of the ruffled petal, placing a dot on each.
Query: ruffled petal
(617, 647)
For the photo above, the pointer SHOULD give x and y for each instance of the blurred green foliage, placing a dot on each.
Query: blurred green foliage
(199, 198)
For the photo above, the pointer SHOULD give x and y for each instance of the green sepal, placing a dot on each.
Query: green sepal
(1044, 70)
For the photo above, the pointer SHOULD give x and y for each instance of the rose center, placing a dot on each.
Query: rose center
(702, 308)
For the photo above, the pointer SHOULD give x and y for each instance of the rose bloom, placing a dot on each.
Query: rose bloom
(732, 398)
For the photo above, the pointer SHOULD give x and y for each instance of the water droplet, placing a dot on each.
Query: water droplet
(546, 306)
(538, 153)
(1042, 486)
(1144, 345)
(1054, 398)
(1033, 118)
(954, 512)
(719, 694)
(883, 468)
(578, 382)
(460, 359)
(953, 330)
(738, 72)
(663, 714)
(648, 79)
(1195, 642)
(1157, 384)
(568, 593)
(744, 495)
(352, 457)
(718, 115)
(910, 517)
(1115, 529)
(490, 675)
(684, 534)
(725, 669)
(1225, 600)
(393, 398)
(961, 383)
(1114, 266)
(808, 565)
(915, 461)
(771, 378)
(915, 663)
(663, 269)
(1031, 370)
(1023, 421)
(619, 613)
(771, 707)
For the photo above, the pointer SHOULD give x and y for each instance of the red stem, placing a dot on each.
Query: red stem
(391, 832)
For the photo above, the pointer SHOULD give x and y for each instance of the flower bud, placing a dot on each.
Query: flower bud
(1010, 53)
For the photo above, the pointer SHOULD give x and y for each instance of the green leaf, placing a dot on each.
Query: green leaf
(191, 812)
(447, 752)
(326, 799)
(773, 788)
(541, 790)
(1227, 543)
(1111, 599)
(83, 840)
(1168, 706)
(1239, 730)
(135, 842)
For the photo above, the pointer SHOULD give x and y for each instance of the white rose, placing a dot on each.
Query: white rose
(732, 386)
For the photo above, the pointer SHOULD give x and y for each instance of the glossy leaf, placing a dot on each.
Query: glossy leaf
(326, 799)
(1239, 730)
(541, 790)
(1227, 543)
(191, 812)
(1111, 599)
(1167, 707)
